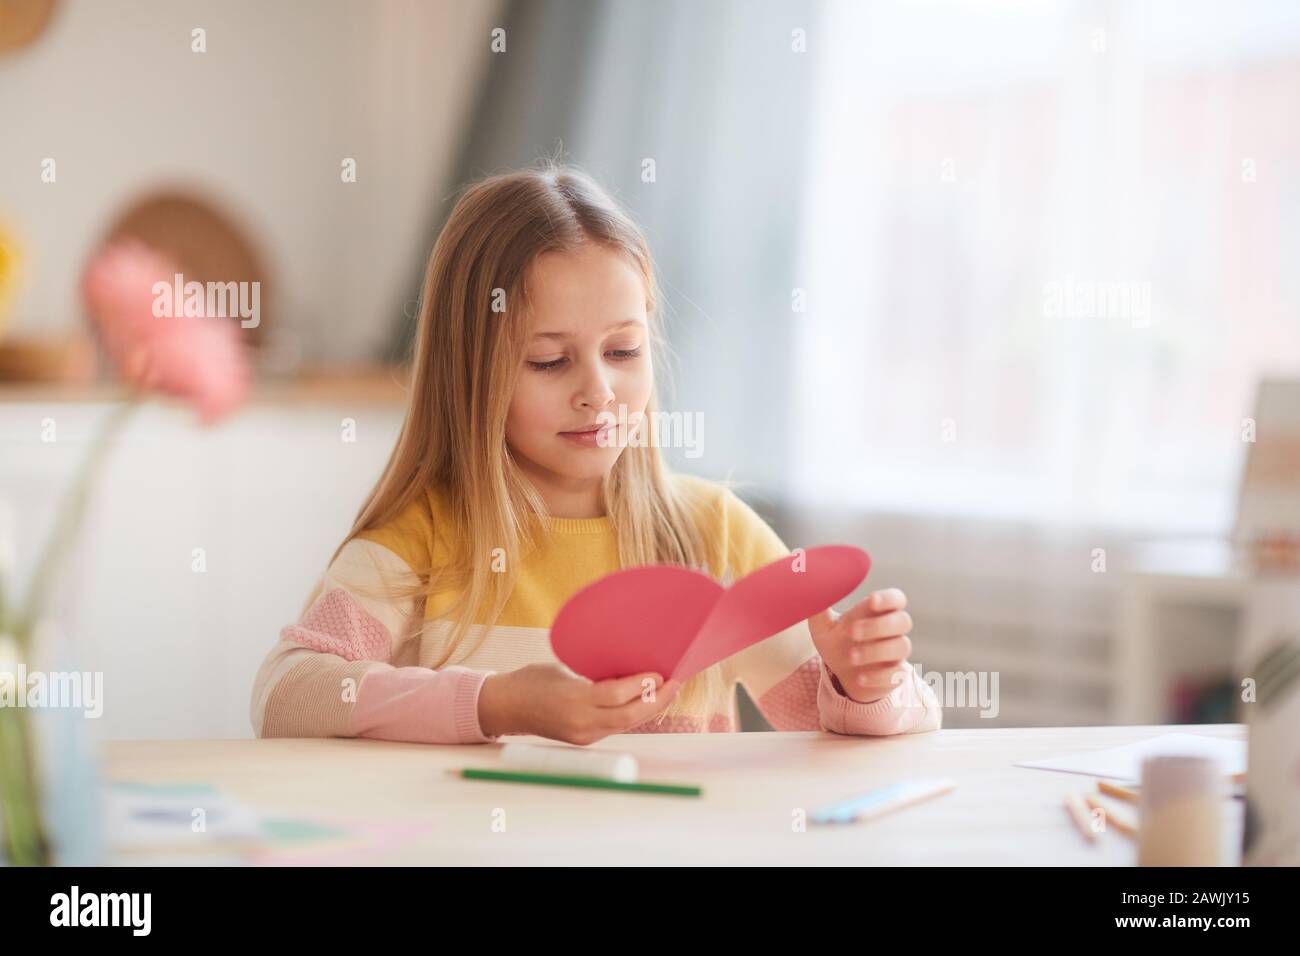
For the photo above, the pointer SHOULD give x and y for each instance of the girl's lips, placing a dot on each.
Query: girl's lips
(588, 439)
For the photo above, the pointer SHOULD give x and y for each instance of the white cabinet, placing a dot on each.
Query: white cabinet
(177, 632)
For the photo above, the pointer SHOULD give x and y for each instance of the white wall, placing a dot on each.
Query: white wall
(263, 119)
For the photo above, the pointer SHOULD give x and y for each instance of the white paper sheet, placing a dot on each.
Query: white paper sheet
(1125, 763)
(161, 816)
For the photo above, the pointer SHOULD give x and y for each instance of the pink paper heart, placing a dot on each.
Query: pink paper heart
(676, 622)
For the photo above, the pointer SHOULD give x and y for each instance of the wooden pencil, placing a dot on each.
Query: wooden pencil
(1119, 822)
(1115, 790)
(1078, 812)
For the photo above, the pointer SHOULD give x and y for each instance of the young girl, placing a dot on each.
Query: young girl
(538, 322)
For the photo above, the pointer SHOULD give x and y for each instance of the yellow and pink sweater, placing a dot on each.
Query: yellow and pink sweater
(350, 668)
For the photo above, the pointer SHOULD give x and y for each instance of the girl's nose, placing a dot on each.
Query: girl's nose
(595, 391)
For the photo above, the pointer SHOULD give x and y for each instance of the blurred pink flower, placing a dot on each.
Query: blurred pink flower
(197, 359)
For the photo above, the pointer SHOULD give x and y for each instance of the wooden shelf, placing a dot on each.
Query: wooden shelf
(371, 384)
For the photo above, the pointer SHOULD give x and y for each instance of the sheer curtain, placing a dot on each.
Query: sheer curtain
(1049, 250)
(715, 95)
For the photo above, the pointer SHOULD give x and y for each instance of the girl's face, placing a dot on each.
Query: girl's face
(587, 361)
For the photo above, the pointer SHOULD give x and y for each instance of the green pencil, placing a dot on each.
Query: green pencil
(560, 780)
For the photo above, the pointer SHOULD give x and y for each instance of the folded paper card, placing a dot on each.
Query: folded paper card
(676, 622)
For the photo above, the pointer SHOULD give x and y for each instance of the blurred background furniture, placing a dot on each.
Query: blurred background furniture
(1178, 642)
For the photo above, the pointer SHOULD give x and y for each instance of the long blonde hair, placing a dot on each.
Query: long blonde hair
(465, 364)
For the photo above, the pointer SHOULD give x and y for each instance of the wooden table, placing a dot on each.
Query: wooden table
(753, 785)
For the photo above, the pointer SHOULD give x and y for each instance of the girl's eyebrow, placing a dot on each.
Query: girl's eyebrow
(568, 335)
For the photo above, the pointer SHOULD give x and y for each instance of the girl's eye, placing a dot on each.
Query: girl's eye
(547, 366)
(620, 354)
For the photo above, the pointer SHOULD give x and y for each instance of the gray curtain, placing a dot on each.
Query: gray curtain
(713, 92)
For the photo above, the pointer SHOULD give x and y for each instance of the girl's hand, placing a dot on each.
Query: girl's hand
(550, 700)
(867, 647)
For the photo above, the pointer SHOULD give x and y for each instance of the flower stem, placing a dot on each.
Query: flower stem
(69, 520)
(25, 843)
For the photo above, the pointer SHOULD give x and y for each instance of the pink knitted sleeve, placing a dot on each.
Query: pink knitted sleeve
(808, 700)
(330, 674)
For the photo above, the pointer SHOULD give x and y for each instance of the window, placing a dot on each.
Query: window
(1050, 250)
